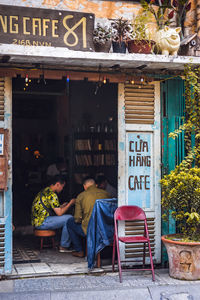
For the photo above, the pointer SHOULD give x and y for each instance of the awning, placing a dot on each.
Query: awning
(51, 58)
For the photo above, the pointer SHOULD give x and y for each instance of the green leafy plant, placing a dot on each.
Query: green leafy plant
(181, 188)
(139, 29)
(102, 34)
(159, 12)
(164, 11)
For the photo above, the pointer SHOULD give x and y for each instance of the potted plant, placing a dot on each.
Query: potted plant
(102, 38)
(181, 191)
(139, 38)
(120, 30)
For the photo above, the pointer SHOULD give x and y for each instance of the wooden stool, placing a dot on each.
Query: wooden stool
(45, 234)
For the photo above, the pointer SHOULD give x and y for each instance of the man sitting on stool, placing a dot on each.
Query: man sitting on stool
(45, 203)
(85, 201)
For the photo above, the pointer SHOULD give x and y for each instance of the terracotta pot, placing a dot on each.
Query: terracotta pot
(140, 46)
(184, 258)
(102, 48)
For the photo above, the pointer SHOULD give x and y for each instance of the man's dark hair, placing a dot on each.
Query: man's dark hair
(57, 178)
(100, 179)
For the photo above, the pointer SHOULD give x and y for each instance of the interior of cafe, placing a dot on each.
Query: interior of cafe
(73, 123)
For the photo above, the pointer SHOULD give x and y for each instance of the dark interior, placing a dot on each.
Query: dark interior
(54, 118)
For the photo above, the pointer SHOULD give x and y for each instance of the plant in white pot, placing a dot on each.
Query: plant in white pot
(181, 190)
(102, 38)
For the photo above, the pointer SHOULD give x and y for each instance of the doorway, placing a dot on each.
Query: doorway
(73, 120)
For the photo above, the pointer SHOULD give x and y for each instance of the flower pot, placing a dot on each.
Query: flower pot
(184, 258)
(119, 47)
(102, 47)
(140, 46)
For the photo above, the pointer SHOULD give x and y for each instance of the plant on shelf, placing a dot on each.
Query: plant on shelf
(139, 39)
(102, 38)
(181, 188)
(121, 28)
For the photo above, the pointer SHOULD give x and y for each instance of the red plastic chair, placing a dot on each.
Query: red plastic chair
(131, 213)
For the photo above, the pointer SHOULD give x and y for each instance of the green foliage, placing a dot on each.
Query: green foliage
(181, 194)
(181, 188)
(159, 13)
(140, 31)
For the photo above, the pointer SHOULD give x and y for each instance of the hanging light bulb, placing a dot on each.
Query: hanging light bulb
(142, 79)
(26, 84)
(67, 78)
(104, 80)
(132, 81)
(26, 78)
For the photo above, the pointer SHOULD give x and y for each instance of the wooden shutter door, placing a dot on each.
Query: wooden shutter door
(139, 161)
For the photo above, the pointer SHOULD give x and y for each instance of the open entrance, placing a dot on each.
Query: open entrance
(53, 119)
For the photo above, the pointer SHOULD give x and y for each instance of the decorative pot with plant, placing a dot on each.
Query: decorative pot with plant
(181, 190)
(120, 30)
(140, 39)
(102, 38)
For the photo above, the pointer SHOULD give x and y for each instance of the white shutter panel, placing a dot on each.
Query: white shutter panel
(139, 103)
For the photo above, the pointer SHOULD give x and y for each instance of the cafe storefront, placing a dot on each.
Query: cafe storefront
(48, 64)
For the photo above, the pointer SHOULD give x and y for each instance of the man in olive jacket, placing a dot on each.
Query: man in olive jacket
(77, 226)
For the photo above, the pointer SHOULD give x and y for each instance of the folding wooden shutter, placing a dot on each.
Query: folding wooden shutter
(139, 104)
(140, 116)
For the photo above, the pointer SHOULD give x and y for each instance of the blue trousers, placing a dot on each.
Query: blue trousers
(76, 233)
(55, 222)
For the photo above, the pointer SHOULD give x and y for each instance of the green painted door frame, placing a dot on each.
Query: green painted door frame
(172, 113)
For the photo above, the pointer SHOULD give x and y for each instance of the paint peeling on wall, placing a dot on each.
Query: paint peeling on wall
(101, 9)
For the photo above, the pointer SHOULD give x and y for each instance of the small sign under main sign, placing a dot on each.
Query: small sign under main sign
(45, 27)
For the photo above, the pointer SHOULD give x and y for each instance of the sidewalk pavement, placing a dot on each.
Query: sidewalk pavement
(99, 285)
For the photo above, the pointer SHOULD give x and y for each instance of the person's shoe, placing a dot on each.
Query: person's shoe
(78, 254)
(65, 250)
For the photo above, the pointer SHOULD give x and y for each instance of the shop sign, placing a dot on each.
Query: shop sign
(139, 168)
(45, 27)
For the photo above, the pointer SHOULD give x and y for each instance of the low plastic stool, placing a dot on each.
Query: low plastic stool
(45, 234)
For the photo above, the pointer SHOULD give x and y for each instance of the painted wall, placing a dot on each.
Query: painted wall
(102, 9)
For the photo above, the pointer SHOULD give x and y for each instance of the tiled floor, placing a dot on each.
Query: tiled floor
(54, 263)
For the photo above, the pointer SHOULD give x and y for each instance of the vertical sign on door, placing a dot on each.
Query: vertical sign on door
(139, 168)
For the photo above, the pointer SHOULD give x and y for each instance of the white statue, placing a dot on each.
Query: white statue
(168, 40)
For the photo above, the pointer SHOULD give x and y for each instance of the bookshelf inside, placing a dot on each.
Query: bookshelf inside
(94, 153)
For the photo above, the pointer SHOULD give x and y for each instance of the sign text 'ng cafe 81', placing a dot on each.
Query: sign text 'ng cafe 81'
(45, 27)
